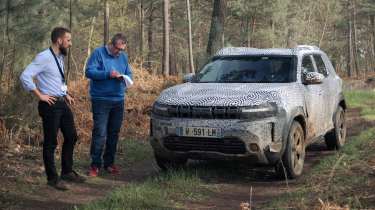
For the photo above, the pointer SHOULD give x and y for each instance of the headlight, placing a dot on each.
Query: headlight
(259, 111)
(160, 109)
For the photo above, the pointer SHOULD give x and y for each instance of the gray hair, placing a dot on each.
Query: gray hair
(117, 37)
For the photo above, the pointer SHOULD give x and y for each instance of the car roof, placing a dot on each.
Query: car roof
(244, 51)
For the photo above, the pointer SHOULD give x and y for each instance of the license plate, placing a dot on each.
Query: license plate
(200, 132)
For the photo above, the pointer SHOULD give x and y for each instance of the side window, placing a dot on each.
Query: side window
(307, 65)
(320, 65)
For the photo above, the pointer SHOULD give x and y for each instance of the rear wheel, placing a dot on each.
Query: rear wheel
(335, 139)
(169, 163)
(293, 158)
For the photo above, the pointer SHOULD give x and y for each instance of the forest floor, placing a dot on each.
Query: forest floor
(232, 188)
(23, 184)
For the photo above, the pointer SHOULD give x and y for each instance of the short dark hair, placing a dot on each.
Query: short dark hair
(118, 36)
(58, 32)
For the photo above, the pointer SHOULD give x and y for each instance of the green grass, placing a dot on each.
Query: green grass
(362, 99)
(134, 151)
(166, 191)
(129, 152)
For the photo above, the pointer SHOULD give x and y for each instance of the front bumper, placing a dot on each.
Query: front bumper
(259, 141)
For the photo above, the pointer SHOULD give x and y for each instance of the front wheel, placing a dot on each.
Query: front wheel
(291, 164)
(169, 163)
(335, 139)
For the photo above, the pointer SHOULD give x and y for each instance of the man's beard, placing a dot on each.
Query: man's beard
(63, 51)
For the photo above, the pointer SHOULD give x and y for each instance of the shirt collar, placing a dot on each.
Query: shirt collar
(109, 52)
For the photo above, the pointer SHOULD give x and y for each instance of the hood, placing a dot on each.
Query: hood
(224, 94)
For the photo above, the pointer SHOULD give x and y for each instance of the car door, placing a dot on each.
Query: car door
(313, 99)
(335, 88)
(327, 88)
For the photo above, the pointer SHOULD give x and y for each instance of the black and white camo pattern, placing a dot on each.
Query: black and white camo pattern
(216, 94)
(313, 76)
(318, 100)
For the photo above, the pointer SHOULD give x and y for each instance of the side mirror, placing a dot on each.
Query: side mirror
(310, 78)
(188, 77)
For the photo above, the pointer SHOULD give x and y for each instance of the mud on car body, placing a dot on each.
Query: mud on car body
(261, 105)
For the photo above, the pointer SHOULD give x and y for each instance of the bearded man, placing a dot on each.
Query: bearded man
(48, 70)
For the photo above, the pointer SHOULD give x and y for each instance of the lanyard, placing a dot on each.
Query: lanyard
(58, 65)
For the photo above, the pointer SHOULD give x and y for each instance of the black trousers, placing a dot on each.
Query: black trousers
(55, 117)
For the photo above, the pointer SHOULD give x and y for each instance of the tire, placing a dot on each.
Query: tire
(292, 161)
(335, 139)
(166, 163)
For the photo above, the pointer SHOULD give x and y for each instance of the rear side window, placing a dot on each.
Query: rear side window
(320, 65)
(307, 65)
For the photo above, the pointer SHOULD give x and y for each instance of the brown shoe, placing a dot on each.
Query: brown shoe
(73, 177)
(57, 184)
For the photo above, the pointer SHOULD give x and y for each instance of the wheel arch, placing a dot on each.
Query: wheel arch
(298, 115)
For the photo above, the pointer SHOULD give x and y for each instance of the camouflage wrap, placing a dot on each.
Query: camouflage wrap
(315, 104)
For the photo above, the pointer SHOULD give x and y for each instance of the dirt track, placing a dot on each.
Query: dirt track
(234, 185)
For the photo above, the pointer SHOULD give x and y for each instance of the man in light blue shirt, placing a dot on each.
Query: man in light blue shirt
(48, 70)
(106, 68)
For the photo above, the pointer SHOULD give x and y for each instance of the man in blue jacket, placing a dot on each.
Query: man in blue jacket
(105, 68)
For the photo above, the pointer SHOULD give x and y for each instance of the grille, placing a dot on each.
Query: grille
(214, 112)
(185, 144)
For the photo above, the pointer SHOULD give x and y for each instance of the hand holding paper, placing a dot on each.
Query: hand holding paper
(128, 81)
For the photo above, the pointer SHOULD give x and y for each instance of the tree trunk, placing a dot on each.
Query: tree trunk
(6, 37)
(70, 50)
(106, 22)
(247, 31)
(355, 38)
(325, 26)
(250, 34)
(350, 42)
(372, 28)
(141, 31)
(150, 39)
(165, 67)
(173, 55)
(11, 68)
(191, 59)
(89, 45)
(273, 32)
(216, 35)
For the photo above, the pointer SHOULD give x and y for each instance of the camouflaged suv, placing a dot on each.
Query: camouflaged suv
(261, 105)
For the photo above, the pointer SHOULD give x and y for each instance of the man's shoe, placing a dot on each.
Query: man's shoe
(114, 170)
(57, 184)
(93, 171)
(73, 177)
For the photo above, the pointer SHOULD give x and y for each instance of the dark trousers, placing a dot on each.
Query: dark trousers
(55, 117)
(108, 116)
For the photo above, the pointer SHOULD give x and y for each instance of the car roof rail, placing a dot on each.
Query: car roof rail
(307, 47)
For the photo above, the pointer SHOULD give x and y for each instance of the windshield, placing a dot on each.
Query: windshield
(249, 69)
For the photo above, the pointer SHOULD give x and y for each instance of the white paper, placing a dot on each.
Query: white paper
(128, 81)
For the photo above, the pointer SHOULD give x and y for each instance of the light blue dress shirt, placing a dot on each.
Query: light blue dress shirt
(48, 78)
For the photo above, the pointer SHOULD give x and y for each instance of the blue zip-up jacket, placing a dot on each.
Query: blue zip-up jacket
(98, 70)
